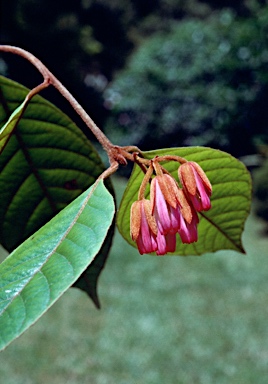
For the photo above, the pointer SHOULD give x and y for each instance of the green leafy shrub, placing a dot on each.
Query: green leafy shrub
(200, 83)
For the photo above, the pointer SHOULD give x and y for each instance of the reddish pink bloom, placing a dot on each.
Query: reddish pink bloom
(144, 231)
(169, 204)
(143, 228)
(154, 223)
(196, 185)
(172, 213)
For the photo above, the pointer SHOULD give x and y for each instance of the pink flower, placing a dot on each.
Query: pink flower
(196, 185)
(172, 213)
(155, 223)
(143, 228)
(144, 231)
(169, 205)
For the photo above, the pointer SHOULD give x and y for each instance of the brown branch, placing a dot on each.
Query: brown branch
(49, 78)
(116, 154)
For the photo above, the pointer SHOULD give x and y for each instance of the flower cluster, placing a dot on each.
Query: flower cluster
(171, 209)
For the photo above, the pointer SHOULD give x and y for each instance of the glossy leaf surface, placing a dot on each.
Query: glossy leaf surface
(45, 265)
(221, 227)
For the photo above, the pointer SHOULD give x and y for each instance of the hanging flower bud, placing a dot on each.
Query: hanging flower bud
(196, 185)
(143, 228)
(155, 223)
(169, 205)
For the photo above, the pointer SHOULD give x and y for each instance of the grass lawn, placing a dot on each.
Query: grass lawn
(164, 320)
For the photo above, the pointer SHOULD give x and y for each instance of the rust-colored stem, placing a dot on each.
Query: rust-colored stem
(49, 78)
(145, 181)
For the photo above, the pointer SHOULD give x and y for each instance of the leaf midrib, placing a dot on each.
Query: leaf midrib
(240, 248)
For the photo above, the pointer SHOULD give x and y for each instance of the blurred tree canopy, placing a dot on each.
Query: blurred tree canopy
(81, 42)
(195, 76)
(199, 82)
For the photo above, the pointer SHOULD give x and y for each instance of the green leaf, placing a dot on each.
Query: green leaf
(221, 227)
(89, 278)
(46, 164)
(40, 270)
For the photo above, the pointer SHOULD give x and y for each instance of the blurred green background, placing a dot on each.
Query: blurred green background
(155, 73)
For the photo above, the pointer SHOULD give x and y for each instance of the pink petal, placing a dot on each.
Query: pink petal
(161, 211)
(161, 244)
(146, 241)
(196, 203)
(171, 242)
(204, 197)
(174, 219)
(165, 243)
(188, 232)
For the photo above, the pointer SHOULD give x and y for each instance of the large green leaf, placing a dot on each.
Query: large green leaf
(222, 226)
(45, 265)
(45, 164)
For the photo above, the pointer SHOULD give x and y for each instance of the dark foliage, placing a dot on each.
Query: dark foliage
(86, 43)
(202, 82)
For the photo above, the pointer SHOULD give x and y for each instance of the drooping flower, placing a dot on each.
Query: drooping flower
(169, 205)
(143, 228)
(171, 209)
(144, 231)
(196, 185)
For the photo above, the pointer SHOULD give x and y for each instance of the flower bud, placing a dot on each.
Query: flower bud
(143, 228)
(196, 185)
(168, 204)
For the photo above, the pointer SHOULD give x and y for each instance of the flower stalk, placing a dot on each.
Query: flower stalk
(116, 154)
